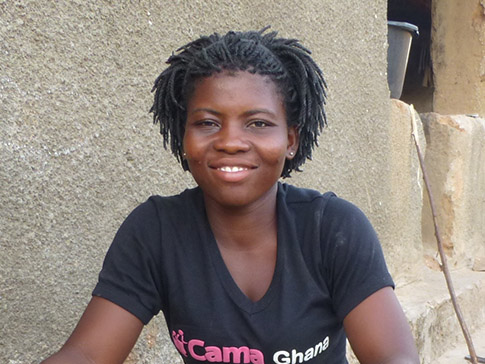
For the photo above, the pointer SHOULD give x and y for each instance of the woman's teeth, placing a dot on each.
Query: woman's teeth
(233, 169)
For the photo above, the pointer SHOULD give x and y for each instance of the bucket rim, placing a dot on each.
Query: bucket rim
(405, 26)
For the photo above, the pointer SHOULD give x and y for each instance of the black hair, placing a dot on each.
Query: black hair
(288, 63)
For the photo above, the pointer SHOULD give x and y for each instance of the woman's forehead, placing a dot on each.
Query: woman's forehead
(229, 86)
(236, 79)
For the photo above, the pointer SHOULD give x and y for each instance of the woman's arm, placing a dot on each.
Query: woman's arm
(106, 333)
(379, 332)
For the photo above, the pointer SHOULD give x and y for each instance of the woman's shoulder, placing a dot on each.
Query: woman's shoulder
(293, 194)
(187, 194)
(158, 206)
(327, 203)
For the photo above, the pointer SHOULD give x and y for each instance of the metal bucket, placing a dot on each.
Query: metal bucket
(399, 38)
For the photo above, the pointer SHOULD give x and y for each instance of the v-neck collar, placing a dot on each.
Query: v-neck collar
(225, 277)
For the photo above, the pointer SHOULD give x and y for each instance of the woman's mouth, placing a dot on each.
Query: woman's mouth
(232, 169)
(232, 172)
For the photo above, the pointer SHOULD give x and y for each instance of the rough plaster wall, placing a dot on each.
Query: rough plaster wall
(79, 152)
(458, 54)
(407, 192)
(454, 159)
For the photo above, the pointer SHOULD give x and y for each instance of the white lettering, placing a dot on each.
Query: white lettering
(284, 357)
(309, 354)
(318, 349)
(296, 356)
(281, 357)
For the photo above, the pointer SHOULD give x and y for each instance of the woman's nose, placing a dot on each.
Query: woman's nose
(232, 139)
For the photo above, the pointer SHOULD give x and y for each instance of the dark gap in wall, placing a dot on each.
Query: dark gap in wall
(418, 84)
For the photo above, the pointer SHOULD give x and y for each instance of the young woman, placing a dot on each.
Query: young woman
(244, 268)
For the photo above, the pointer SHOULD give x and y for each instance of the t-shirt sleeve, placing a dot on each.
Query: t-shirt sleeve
(352, 255)
(130, 274)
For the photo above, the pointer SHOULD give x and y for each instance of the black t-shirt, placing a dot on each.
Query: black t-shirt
(164, 257)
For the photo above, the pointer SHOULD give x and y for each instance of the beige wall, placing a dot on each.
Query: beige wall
(458, 54)
(455, 159)
(79, 151)
(406, 254)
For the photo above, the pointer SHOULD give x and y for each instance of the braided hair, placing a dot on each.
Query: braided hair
(285, 61)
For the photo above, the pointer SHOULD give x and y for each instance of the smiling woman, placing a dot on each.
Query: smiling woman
(285, 62)
(236, 139)
(244, 267)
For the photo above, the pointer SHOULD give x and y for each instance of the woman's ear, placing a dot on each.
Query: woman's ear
(293, 142)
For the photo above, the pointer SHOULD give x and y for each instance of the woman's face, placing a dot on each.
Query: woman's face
(236, 137)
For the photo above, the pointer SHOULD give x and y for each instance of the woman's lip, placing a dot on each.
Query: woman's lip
(233, 169)
(232, 176)
(228, 165)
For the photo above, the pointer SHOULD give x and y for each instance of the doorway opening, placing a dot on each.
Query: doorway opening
(418, 85)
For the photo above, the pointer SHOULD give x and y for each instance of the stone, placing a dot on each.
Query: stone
(456, 169)
(479, 264)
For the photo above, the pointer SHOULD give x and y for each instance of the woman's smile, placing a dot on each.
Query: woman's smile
(233, 174)
(236, 137)
(232, 170)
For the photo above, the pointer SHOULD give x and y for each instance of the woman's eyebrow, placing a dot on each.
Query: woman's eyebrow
(259, 111)
(246, 113)
(205, 109)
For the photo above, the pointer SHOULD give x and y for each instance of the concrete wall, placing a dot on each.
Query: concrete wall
(455, 158)
(78, 149)
(407, 187)
(458, 54)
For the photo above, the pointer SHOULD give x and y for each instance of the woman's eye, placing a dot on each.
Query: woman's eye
(207, 123)
(259, 124)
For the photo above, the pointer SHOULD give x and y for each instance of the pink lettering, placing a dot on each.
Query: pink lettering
(194, 355)
(178, 340)
(256, 356)
(213, 354)
(236, 354)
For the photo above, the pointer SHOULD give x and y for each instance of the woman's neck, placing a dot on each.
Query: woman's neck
(236, 228)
